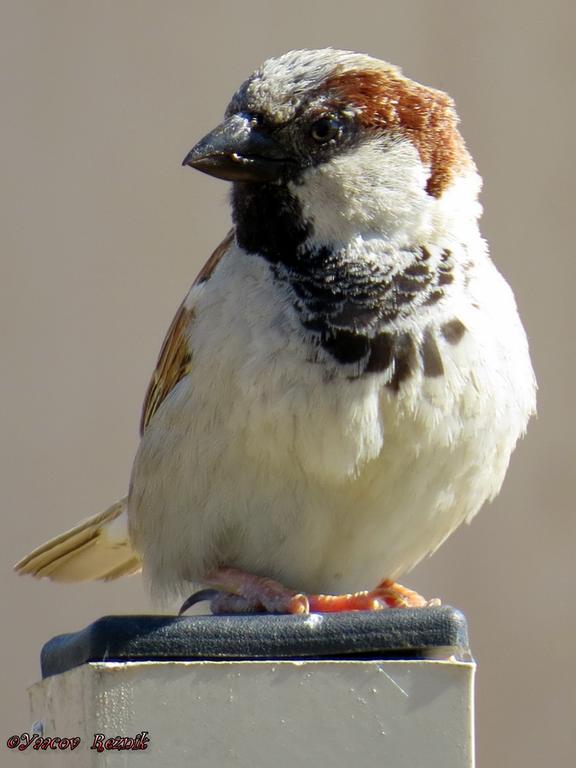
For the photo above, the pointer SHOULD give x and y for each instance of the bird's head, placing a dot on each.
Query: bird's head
(341, 141)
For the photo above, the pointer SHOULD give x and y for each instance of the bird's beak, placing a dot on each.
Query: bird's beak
(238, 150)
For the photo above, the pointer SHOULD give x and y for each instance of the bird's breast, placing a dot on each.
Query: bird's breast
(273, 356)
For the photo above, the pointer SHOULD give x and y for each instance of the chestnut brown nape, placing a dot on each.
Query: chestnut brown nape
(424, 115)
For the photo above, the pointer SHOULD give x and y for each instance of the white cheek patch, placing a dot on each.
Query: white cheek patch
(379, 186)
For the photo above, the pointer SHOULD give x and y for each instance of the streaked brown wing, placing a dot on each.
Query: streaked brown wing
(175, 359)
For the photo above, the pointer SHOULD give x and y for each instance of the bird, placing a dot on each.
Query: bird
(346, 379)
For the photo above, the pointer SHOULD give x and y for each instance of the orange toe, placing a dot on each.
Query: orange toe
(397, 596)
(356, 601)
(387, 594)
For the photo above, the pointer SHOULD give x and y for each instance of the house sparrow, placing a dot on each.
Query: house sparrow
(346, 379)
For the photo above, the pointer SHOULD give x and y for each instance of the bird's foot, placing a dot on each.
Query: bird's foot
(387, 594)
(233, 591)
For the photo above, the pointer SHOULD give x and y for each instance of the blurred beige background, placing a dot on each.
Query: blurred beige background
(102, 231)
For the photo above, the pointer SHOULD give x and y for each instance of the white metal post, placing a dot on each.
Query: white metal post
(393, 689)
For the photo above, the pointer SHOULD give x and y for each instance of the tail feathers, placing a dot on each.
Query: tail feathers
(97, 548)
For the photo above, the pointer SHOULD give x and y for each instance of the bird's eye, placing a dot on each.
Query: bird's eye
(326, 129)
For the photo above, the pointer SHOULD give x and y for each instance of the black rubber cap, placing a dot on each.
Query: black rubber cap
(394, 633)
